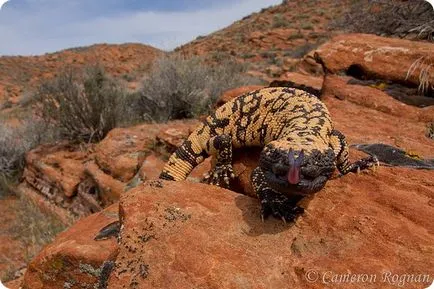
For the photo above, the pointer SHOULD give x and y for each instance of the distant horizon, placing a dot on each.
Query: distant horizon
(38, 27)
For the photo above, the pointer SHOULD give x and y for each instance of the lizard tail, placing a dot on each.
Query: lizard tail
(184, 159)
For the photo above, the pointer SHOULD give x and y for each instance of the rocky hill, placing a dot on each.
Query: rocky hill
(273, 39)
(19, 75)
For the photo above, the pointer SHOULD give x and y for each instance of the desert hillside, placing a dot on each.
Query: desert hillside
(19, 75)
(274, 38)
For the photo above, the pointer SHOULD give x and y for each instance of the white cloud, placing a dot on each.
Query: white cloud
(42, 32)
(2, 2)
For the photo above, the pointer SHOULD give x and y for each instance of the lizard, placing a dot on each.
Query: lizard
(300, 147)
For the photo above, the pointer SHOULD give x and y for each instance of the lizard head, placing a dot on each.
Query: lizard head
(285, 168)
(282, 166)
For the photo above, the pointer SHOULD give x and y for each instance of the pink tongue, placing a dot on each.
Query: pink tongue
(294, 176)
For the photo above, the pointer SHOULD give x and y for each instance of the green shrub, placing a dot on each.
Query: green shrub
(307, 26)
(279, 21)
(178, 87)
(83, 106)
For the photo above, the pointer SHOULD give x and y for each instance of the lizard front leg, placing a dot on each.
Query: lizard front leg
(273, 203)
(220, 147)
(341, 149)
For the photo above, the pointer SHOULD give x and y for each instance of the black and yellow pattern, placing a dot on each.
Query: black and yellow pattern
(301, 148)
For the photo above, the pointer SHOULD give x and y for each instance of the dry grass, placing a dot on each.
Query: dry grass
(32, 229)
(35, 228)
(430, 130)
(424, 67)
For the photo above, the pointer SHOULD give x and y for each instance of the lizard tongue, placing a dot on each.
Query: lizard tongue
(294, 175)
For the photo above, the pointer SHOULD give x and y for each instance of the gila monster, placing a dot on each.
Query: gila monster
(301, 149)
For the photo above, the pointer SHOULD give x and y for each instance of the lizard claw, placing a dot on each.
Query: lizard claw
(220, 176)
(281, 208)
(370, 162)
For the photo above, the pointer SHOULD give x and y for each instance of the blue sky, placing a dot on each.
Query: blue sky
(31, 27)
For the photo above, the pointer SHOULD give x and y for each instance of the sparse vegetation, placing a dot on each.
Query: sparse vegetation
(389, 18)
(248, 55)
(301, 16)
(321, 11)
(280, 20)
(268, 54)
(35, 228)
(83, 106)
(302, 50)
(296, 35)
(14, 143)
(307, 26)
(180, 88)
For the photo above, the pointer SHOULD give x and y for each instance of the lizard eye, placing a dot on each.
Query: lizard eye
(279, 169)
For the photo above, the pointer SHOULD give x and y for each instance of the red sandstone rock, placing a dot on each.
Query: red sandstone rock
(74, 259)
(14, 284)
(183, 235)
(379, 57)
(232, 93)
(315, 82)
(151, 167)
(122, 151)
(376, 99)
(56, 169)
(109, 188)
(173, 135)
(82, 180)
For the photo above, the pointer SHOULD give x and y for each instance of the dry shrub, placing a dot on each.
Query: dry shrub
(15, 141)
(389, 18)
(178, 87)
(84, 106)
(302, 50)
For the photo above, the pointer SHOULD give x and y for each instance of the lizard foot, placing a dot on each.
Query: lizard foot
(281, 207)
(220, 176)
(366, 163)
